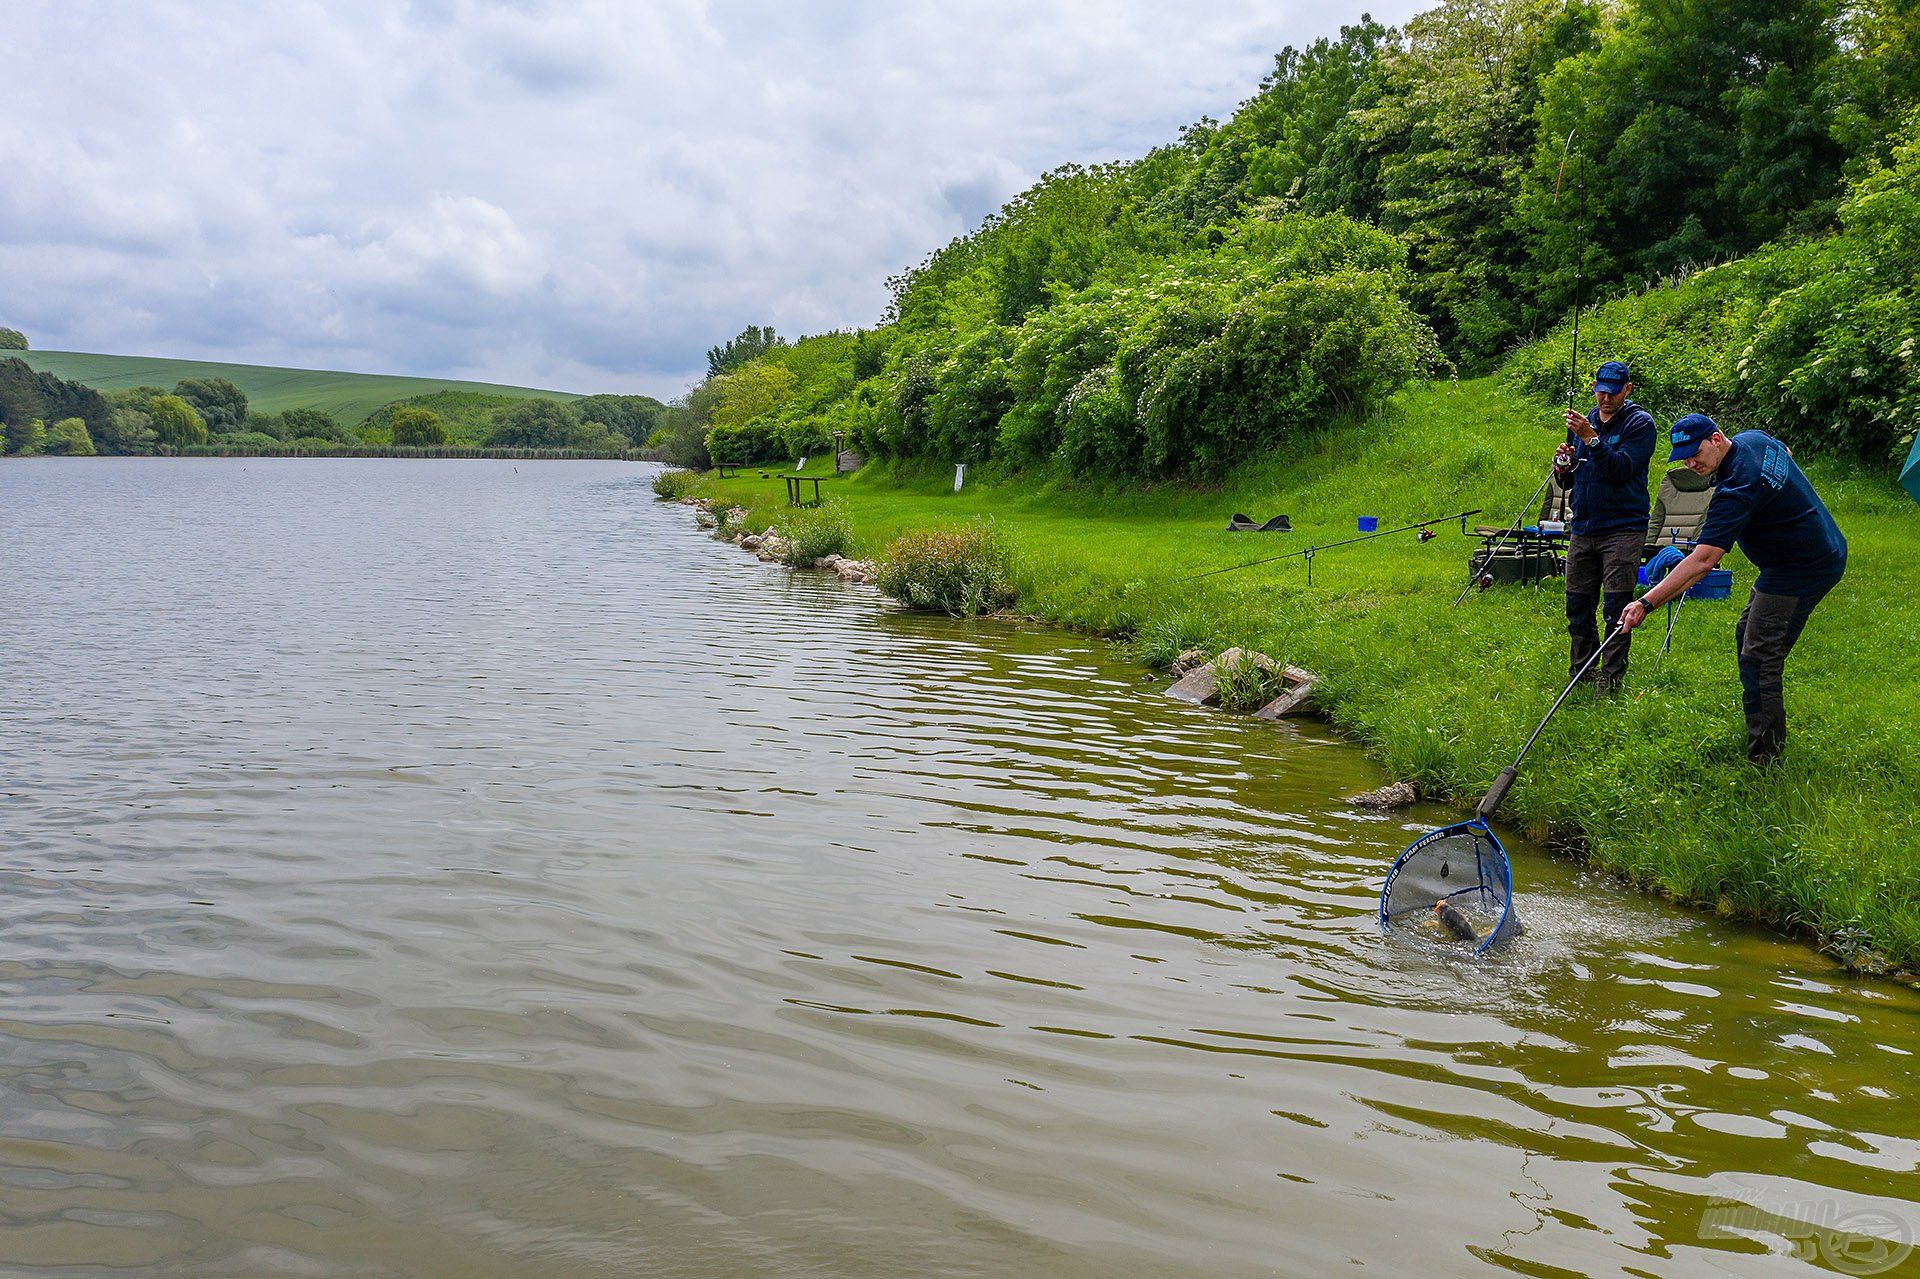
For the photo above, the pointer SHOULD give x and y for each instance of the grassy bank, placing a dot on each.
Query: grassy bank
(1654, 785)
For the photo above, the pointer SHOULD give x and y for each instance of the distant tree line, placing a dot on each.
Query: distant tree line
(45, 414)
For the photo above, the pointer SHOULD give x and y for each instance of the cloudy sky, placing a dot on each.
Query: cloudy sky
(583, 194)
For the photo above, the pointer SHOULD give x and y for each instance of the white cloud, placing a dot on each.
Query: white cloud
(584, 194)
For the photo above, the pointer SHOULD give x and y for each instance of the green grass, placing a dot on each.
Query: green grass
(1653, 786)
(347, 397)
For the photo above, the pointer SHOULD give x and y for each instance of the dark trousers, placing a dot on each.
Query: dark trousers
(1765, 634)
(1601, 570)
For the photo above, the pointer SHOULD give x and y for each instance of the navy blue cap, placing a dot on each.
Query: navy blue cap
(1687, 434)
(1610, 377)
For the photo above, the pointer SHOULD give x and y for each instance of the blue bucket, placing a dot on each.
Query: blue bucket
(1368, 523)
(1716, 585)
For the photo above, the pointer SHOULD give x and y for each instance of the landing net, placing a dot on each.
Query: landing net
(1464, 867)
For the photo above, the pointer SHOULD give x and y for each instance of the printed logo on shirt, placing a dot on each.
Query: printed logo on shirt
(1773, 465)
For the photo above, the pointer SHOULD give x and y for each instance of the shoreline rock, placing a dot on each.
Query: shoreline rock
(1392, 795)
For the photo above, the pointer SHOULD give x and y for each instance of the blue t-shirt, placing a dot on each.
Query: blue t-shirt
(1764, 502)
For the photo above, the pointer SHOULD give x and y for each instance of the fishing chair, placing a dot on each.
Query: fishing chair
(1679, 509)
(1528, 553)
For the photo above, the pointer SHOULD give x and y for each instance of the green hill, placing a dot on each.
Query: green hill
(347, 397)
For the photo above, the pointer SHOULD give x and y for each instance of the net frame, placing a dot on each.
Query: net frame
(1492, 885)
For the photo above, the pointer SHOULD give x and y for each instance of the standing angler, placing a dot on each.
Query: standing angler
(1604, 465)
(1764, 502)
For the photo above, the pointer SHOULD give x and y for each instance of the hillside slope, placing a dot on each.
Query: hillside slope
(347, 397)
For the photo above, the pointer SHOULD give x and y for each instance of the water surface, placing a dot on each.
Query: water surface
(469, 869)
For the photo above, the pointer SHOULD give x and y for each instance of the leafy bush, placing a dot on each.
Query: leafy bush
(533, 424)
(235, 444)
(1832, 358)
(812, 533)
(962, 571)
(738, 445)
(1815, 341)
(69, 436)
(312, 424)
(672, 485)
(1287, 360)
(27, 439)
(596, 437)
(220, 404)
(1681, 339)
(12, 340)
(415, 427)
(808, 437)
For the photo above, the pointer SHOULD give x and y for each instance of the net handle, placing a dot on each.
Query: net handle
(1504, 782)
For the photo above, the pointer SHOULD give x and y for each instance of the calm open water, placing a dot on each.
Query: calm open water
(455, 869)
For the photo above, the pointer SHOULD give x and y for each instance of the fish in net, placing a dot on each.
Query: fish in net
(1455, 883)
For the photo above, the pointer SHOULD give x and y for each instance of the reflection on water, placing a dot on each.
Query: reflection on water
(454, 869)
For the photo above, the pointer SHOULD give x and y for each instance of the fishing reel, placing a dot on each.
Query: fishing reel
(1425, 535)
(1484, 581)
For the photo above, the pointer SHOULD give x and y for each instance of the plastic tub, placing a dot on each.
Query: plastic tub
(1716, 585)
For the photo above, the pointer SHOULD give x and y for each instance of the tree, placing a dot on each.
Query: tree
(69, 436)
(1702, 128)
(20, 397)
(1452, 134)
(682, 438)
(753, 342)
(596, 437)
(312, 424)
(26, 439)
(418, 428)
(12, 340)
(533, 424)
(175, 423)
(129, 432)
(221, 404)
(634, 416)
(750, 392)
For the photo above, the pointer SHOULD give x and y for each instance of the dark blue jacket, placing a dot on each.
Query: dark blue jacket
(1763, 501)
(1610, 475)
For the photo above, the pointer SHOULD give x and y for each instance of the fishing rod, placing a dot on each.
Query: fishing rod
(1486, 559)
(1312, 551)
(1504, 782)
(1475, 574)
(1579, 252)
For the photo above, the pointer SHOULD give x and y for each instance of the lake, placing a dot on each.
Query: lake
(472, 869)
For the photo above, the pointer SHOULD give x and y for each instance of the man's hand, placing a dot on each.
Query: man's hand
(1631, 616)
(1563, 457)
(1578, 424)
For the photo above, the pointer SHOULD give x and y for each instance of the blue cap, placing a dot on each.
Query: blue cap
(1610, 377)
(1687, 434)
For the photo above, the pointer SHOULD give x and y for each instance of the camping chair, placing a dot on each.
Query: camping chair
(1526, 554)
(1679, 509)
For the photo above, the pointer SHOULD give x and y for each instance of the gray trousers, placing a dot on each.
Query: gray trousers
(1601, 570)
(1765, 634)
